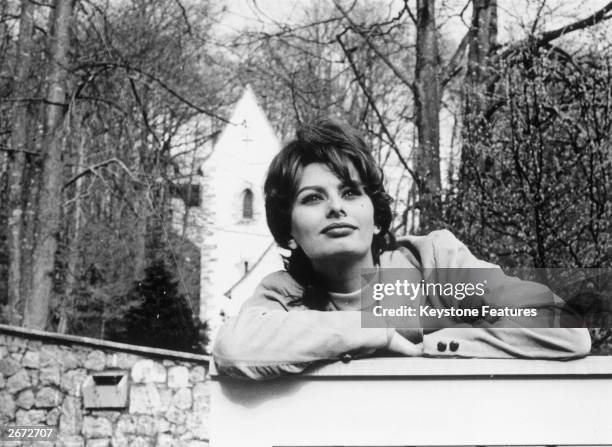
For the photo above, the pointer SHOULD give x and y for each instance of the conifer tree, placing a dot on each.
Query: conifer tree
(159, 315)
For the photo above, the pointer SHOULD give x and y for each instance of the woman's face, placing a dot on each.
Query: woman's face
(330, 218)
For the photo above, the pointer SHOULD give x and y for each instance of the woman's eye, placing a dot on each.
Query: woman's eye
(351, 192)
(311, 198)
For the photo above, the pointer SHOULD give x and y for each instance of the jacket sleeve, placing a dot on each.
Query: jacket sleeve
(506, 337)
(266, 340)
(507, 342)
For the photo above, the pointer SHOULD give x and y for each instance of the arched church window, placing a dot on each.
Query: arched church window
(247, 204)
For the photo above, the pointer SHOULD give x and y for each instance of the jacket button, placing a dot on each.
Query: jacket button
(453, 346)
(346, 358)
(441, 346)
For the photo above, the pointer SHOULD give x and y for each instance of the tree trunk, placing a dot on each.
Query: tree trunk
(37, 306)
(427, 108)
(16, 162)
(140, 250)
(141, 203)
(67, 304)
(32, 172)
(483, 39)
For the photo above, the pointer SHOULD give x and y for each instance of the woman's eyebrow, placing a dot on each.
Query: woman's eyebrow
(343, 184)
(351, 183)
(315, 187)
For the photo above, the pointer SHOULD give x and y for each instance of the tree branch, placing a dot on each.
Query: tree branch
(185, 16)
(143, 111)
(158, 81)
(548, 36)
(452, 68)
(534, 26)
(382, 56)
(407, 8)
(368, 96)
(92, 170)
(593, 19)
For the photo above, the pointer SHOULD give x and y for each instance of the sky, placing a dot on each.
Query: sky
(512, 13)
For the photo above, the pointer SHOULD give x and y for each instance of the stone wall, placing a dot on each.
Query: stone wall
(41, 383)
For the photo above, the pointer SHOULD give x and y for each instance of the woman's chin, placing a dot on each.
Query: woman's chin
(344, 254)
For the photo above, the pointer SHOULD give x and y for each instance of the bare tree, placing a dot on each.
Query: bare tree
(427, 114)
(37, 304)
(482, 42)
(16, 160)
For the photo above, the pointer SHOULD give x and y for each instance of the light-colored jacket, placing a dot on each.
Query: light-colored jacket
(276, 334)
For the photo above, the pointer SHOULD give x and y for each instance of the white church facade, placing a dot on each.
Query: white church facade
(229, 225)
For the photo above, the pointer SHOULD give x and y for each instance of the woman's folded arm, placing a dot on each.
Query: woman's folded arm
(555, 332)
(266, 340)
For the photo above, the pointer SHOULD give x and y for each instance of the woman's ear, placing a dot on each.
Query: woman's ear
(292, 244)
(377, 230)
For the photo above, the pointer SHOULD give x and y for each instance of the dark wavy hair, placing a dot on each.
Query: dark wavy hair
(337, 145)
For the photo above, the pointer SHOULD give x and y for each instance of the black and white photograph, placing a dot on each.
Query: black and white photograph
(314, 223)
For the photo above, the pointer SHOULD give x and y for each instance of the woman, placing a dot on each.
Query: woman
(326, 203)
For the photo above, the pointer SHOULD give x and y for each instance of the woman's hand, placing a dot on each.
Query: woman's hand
(400, 345)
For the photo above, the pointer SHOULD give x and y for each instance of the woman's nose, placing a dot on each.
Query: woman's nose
(336, 207)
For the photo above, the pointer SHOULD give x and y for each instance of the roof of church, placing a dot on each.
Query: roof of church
(248, 123)
(250, 270)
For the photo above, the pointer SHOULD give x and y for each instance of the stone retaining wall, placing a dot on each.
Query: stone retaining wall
(41, 379)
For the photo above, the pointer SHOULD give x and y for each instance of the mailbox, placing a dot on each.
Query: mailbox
(107, 389)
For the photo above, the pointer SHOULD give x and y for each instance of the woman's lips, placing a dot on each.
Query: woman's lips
(338, 230)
